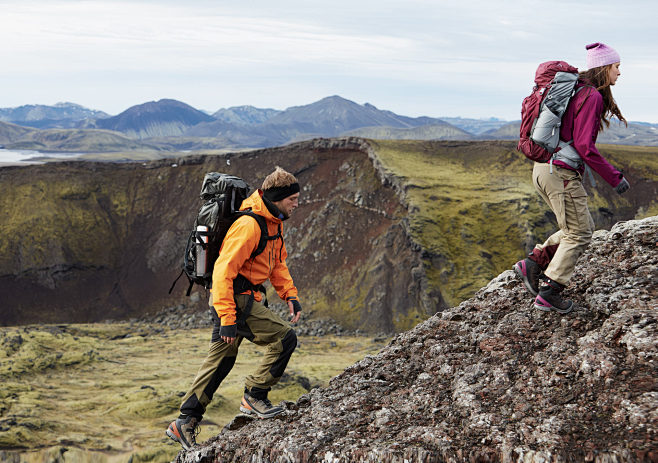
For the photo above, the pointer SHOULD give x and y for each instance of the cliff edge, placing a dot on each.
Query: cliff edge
(492, 379)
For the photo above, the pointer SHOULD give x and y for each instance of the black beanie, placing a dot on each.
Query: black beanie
(281, 192)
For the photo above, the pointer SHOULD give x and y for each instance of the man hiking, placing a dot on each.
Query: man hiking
(239, 311)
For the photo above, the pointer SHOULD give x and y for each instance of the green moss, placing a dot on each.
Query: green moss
(32, 350)
(641, 160)
(460, 206)
(116, 404)
(473, 207)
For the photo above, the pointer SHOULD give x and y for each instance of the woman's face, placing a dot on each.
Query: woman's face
(613, 73)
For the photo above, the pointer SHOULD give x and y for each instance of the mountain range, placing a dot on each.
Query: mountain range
(169, 124)
(61, 115)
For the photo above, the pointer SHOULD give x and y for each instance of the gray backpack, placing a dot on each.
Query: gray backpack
(542, 111)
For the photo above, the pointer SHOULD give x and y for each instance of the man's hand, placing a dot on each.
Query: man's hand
(228, 333)
(623, 186)
(295, 309)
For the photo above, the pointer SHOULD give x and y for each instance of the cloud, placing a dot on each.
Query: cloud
(103, 35)
(387, 52)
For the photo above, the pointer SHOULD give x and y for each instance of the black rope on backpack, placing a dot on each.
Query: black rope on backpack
(176, 280)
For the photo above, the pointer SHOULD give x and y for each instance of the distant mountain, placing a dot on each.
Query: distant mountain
(335, 115)
(234, 135)
(72, 140)
(508, 131)
(171, 124)
(61, 115)
(648, 124)
(248, 115)
(163, 118)
(641, 134)
(635, 134)
(442, 131)
(10, 133)
(329, 117)
(475, 126)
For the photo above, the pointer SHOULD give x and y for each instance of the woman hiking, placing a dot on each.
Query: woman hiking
(561, 184)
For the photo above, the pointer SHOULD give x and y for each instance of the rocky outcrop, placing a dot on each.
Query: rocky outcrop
(492, 379)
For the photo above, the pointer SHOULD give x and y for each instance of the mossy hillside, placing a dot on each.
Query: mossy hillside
(80, 141)
(642, 160)
(471, 208)
(640, 165)
(53, 214)
(116, 402)
(356, 295)
(82, 232)
(474, 210)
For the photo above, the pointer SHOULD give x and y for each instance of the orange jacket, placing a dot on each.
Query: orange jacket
(234, 257)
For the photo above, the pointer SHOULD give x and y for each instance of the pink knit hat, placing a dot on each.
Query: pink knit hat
(599, 54)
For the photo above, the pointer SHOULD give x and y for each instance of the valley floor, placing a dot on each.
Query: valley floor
(106, 392)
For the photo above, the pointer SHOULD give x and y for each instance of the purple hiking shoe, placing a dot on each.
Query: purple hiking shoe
(528, 270)
(549, 298)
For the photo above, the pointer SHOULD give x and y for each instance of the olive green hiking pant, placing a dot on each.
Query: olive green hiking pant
(563, 191)
(262, 327)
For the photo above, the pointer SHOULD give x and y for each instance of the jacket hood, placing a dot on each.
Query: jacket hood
(257, 205)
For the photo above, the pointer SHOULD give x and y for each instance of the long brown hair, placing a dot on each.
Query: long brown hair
(599, 78)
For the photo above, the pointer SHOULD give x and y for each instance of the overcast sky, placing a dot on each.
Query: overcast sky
(468, 58)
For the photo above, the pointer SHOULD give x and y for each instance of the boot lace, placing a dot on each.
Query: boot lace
(196, 429)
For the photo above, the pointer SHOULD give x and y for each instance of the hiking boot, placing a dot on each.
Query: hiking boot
(255, 402)
(184, 431)
(549, 298)
(530, 272)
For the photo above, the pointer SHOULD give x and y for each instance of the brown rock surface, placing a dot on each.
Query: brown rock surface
(493, 379)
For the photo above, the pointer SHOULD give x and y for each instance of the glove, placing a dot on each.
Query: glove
(296, 306)
(229, 331)
(623, 186)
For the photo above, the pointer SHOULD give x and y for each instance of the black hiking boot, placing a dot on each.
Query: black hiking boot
(184, 431)
(255, 402)
(549, 298)
(530, 273)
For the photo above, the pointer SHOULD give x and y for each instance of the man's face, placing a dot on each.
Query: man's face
(287, 205)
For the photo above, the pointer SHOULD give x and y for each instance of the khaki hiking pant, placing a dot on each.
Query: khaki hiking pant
(563, 191)
(262, 327)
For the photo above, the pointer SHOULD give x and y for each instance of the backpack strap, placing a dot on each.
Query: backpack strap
(176, 280)
(570, 142)
(582, 103)
(264, 234)
(190, 241)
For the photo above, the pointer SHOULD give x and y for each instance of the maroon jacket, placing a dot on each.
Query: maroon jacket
(581, 123)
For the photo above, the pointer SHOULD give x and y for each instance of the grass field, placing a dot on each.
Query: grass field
(106, 393)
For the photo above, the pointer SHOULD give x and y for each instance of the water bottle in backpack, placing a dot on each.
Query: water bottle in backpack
(201, 250)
